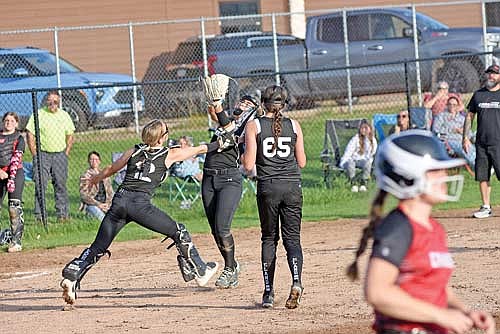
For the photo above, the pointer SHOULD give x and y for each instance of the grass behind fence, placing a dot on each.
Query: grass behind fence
(319, 203)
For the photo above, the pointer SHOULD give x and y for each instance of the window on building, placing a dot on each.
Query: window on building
(238, 8)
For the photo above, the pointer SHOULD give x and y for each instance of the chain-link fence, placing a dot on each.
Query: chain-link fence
(351, 64)
(111, 130)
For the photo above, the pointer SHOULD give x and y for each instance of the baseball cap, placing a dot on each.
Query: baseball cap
(493, 69)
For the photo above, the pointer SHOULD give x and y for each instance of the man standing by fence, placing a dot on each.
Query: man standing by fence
(56, 139)
(486, 104)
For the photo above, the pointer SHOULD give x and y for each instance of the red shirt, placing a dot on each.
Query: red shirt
(424, 271)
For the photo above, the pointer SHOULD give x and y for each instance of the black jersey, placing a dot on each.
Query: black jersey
(486, 105)
(281, 162)
(9, 143)
(229, 158)
(145, 169)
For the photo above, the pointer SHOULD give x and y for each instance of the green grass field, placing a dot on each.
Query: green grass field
(319, 203)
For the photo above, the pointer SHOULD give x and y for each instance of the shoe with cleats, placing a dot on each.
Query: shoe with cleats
(210, 270)
(229, 277)
(268, 299)
(293, 300)
(69, 291)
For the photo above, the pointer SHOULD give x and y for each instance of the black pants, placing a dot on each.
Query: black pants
(130, 206)
(221, 194)
(18, 191)
(280, 201)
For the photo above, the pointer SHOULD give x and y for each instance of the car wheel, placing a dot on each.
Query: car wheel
(77, 114)
(461, 76)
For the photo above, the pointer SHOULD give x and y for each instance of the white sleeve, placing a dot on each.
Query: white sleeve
(349, 150)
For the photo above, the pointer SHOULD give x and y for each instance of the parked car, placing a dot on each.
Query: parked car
(27, 68)
(376, 36)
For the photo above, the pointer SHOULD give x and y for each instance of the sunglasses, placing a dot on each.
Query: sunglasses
(402, 116)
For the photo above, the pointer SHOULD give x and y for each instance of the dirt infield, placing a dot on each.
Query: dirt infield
(139, 289)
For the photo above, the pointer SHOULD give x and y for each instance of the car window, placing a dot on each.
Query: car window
(187, 53)
(357, 27)
(8, 63)
(330, 30)
(46, 63)
(386, 26)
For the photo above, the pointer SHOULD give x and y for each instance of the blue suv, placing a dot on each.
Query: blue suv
(28, 68)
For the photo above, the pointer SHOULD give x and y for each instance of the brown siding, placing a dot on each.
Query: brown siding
(108, 49)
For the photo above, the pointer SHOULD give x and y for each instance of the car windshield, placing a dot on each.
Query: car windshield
(46, 63)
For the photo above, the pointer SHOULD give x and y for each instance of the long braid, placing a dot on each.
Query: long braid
(278, 116)
(375, 217)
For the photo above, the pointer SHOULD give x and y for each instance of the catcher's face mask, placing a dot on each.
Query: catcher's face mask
(244, 106)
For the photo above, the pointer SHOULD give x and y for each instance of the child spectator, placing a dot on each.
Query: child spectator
(359, 153)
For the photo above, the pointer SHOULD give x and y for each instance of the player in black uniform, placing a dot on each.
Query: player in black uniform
(12, 147)
(275, 145)
(222, 186)
(147, 165)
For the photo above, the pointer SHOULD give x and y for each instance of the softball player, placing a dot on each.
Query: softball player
(147, 165)
(275, 145)
(407, 280)
(221, 189)
(12, 147)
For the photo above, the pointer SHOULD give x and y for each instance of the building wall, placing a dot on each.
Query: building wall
(108, 49)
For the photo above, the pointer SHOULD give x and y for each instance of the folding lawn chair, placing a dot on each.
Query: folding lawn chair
(338, 132)
(382, 123)
(187, 189)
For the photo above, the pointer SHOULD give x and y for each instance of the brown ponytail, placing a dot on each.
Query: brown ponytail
(375, 217)
(278, 116)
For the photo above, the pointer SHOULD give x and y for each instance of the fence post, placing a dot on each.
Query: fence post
(205, 60)
(407, 85)
(488, 57)
(347, 59)
(417, 62)
(58, 65)
(37, 163)
(132, 67)
(275, 49)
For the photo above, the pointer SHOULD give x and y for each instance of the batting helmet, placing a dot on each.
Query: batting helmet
(403, 160)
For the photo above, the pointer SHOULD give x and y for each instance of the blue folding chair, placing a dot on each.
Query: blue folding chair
(382, 124)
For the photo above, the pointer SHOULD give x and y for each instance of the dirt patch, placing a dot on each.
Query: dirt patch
(140, 290)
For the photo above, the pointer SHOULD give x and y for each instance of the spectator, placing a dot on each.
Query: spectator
(95, 200)
(56, 139)
(448, 126)
(359, 153)
(403, 123)
(486, 104)
(437, 102)
(190, 166)
(12, 146)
